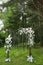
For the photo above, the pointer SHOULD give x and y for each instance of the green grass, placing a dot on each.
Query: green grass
(19, 56)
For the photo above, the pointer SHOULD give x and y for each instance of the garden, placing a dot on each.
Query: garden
(21, 32)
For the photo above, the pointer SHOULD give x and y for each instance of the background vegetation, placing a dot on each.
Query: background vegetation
(32, 17)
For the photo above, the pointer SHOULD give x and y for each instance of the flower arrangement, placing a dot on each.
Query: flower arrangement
(8, 47)
(30, 43)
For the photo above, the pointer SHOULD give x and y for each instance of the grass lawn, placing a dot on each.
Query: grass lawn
(19, 56)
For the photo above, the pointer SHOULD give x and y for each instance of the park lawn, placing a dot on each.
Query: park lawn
(19, 56)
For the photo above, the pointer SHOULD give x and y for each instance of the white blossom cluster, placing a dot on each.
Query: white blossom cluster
(1, 24)
(8, 46)
(8, 39)
(8, 43)
(30, 59)
(26, 31)
(23, 30)
(30, 33)
(31, 37)
(3, 1)
(1, 7)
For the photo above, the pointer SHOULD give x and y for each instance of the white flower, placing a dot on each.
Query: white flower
(30, 59)
(8, 39)
(20, 32)
(21, 18)
(26, 29)
(25, 13)
(8, 60)
(5, 46)
(10, 45)
(4, 9)
(1, 24)
(30, 33)
(25, 2)
(4, 31)
(1, 2)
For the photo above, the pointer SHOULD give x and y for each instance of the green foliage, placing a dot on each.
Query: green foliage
(37, 45)
(2, 40)
(12, 20)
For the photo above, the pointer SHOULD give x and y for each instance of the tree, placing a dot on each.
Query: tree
(23, 13)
